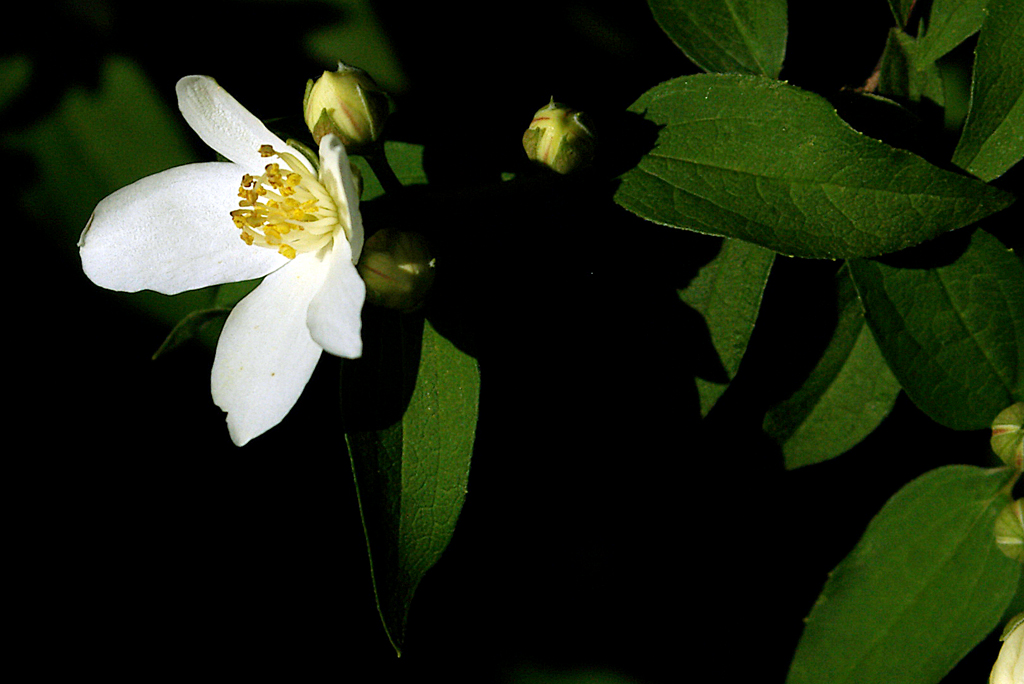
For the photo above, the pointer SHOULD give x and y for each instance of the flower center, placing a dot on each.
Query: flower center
(287, 210)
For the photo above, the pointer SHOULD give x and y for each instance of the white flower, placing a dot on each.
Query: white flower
(263, 213)
(1009, 667)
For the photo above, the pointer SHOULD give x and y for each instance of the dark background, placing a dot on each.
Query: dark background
(603, 530)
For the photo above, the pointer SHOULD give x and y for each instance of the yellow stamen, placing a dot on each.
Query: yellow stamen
(288, 211)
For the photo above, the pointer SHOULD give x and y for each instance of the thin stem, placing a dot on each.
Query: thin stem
(385, 174)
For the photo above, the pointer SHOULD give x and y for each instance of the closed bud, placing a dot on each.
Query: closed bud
(1008, 436)
(1009, 531)
(1009, 667)
(347, 103)
(397, 268)
(560, 138)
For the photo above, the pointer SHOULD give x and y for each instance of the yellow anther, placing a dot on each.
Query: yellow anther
(279, 202)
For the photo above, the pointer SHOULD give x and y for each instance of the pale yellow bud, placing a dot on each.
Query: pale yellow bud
(560, 138)
(1008, 435)
(347, 103)
(1009, 531)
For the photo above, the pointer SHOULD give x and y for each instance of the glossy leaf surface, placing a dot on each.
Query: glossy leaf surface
(847, 394)
(765, 162)
(993, 136)
(727, 36)
(411, 476)
(927, 561)
(950, 22)
(727, 292)
(953, 334)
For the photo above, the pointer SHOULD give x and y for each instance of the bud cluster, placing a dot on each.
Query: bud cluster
(396, 266)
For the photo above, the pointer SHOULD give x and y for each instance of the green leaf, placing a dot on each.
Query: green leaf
(358, 38)
(899, 73)
(952, 334)
(901, 10)
(411, 477)
(950, 22)
(923, 586)
(406, 160)
(727, 292)
(765, 162)
(727, 36)
(993, 136)
(845, 397)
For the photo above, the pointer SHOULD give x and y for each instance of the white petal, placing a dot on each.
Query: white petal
(224, 124)
(336, 177)
(335, 314)
(172, 232)
(265, 354)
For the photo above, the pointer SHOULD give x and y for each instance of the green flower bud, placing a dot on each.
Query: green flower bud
(1009, 531)
(560, 138)
(1008, 436)
(397, 268)
(1009, 667)
(348, 103)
